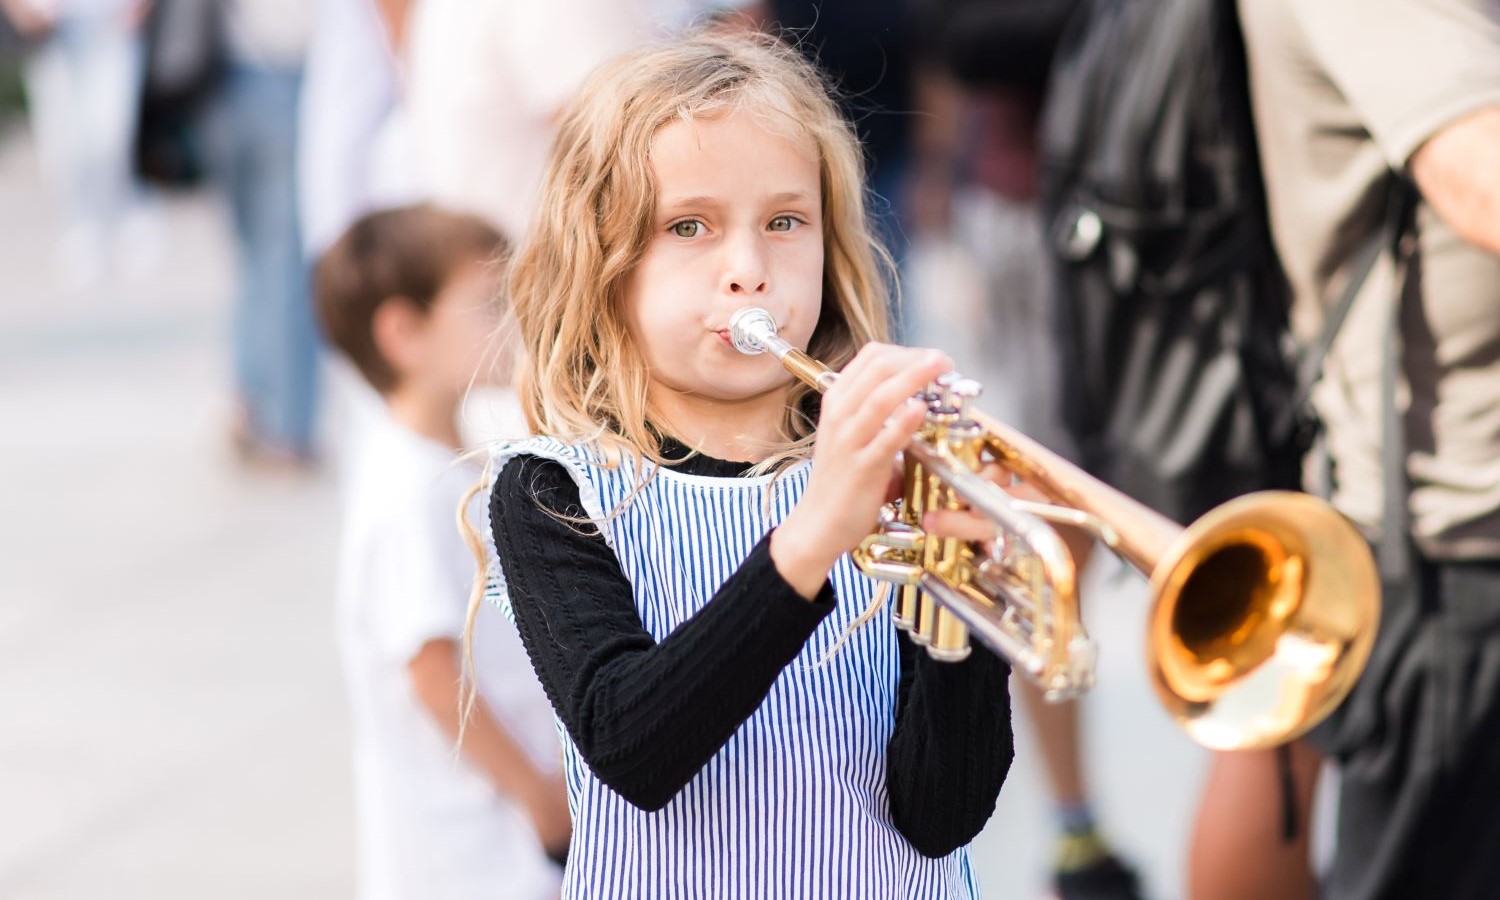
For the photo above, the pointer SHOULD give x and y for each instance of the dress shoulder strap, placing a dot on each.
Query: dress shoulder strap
(599, 485)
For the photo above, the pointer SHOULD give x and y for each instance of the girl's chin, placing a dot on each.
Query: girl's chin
(726, 388)
(751, 390)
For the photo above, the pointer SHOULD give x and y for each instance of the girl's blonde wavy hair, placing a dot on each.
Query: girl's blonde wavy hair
(580, 376)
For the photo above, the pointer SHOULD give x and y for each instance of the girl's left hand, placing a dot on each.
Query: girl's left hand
(971, 526)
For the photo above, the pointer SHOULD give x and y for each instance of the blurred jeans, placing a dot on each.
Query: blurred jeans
(253, 141)
(83, 87)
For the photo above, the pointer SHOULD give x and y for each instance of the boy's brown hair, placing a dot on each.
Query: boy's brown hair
(410, 252)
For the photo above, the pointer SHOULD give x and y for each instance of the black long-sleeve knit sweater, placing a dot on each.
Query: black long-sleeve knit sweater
(647, 717)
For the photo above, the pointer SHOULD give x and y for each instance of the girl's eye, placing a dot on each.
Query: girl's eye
(687, 228)
(783, 223)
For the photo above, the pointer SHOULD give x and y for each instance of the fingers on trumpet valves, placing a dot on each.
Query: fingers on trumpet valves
(961, 524)
(1007, 481)
(880, 395)
(948, 398)
(901, 369)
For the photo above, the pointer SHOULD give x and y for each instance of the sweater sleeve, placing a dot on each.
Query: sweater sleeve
(645, 716)
(951, 748)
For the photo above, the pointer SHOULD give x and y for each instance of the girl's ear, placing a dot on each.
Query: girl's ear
(397, 328)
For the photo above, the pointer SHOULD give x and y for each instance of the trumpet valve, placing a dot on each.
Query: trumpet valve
(962, 393)
(926, 628)
(904, 610)
(950, 639)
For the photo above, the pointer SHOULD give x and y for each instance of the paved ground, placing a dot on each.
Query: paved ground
(171, 720)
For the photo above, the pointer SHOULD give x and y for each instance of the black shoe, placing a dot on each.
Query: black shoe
(1107, 879)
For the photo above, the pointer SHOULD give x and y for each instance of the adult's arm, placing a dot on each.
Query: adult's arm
(1424, 79)
(1458, 172)
(1239, 850)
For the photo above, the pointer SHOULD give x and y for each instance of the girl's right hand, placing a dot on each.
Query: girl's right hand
(868, 416)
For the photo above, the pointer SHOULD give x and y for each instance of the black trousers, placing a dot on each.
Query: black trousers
(1418, 745)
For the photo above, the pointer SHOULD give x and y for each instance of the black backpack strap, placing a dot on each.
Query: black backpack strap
(1400, 204)
(1394, 551)
(1398, 211)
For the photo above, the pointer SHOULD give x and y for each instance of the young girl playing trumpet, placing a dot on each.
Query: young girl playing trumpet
(674, 548)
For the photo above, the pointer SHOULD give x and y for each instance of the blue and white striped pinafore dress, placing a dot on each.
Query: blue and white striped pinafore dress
(795, 804)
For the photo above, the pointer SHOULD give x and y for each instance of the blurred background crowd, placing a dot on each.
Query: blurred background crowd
(172, 717)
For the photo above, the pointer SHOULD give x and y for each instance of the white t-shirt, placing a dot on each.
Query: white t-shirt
(430, 826)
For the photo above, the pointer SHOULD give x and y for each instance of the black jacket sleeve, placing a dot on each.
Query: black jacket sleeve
(645, 716)
(951, 749)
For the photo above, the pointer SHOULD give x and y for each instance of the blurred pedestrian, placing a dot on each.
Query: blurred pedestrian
(353, 154)
(409, 296)
(22, 24)
(1352, 100)
(83, 82)
(974, 189)
(487, 80)
(486, 84)
(254, 155)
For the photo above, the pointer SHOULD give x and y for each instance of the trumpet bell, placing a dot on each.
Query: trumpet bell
(1264, 617)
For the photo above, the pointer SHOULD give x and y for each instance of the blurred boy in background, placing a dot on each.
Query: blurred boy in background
(409, 296)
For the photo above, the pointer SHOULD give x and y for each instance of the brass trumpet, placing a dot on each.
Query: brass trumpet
(1264, 610)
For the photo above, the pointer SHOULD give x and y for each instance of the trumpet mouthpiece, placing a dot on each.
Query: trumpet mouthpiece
(749, 329)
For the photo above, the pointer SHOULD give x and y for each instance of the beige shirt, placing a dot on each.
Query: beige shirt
(487, 81)
(1344, 90)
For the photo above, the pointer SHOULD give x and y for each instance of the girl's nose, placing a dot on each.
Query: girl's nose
(745, 267)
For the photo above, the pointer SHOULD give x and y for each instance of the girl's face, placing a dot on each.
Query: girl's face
(738, 223)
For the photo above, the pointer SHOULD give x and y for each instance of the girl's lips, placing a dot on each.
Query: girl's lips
(723, 334)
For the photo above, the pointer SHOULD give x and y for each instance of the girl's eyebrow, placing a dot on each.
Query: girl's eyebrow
(790, 197)
(679, 202)
(671, 203)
